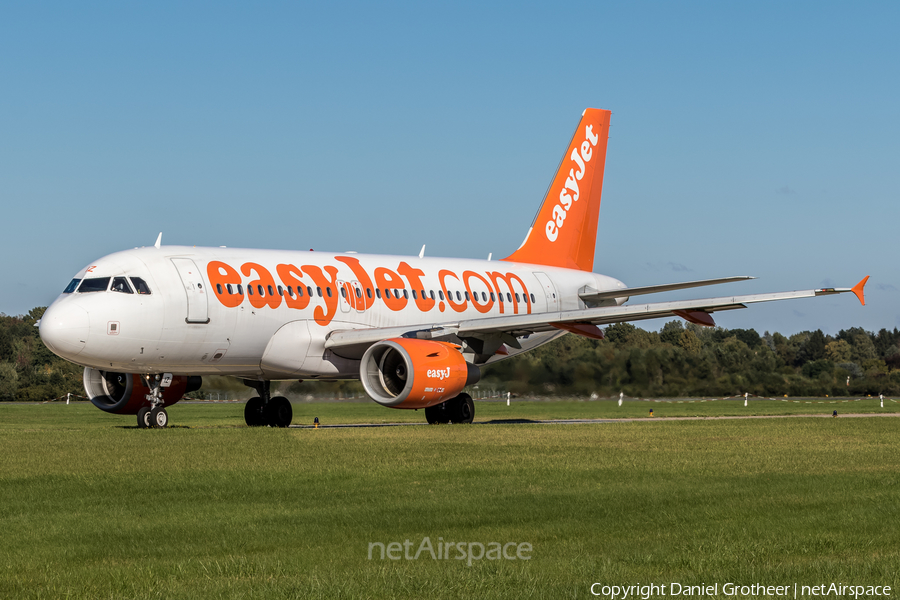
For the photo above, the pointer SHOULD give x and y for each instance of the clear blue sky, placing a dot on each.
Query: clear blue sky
(757, 139)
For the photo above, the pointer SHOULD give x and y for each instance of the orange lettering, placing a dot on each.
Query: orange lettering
(324, 317)
(290, 276)
(482, 308)
(414, 276)
(458, 307)
(364, 303)
(508, 278)
(263, 292)
(220, 277)
(388, 280)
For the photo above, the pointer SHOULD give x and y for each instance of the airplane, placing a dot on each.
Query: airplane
(146, 324)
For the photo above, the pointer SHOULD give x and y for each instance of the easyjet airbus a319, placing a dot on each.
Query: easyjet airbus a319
(148, 323)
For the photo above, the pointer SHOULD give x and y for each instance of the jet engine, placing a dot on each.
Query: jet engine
(413, 373)
(125, 393)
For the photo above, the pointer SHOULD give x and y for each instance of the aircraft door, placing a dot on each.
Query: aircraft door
(346, 296)
(549, 291)
(358, 292)
(194, 288)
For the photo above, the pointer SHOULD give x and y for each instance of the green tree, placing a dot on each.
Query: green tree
(9, 381)
(838, 351)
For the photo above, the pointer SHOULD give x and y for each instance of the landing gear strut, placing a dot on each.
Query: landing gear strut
(263, 410)
(460, 409)
(154, 415)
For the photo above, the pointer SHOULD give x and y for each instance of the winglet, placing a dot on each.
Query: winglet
(858, 290)
(158, 240)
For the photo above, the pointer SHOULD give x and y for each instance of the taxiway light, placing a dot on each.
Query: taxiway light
(651, 412)
(834, 414)
(316, 422)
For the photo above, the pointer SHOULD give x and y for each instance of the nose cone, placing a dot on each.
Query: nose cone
(64, 329)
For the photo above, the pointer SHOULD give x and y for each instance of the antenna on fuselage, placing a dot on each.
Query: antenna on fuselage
(158, 240)
(422, 252)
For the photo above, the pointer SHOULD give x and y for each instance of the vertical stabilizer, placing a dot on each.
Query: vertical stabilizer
(564, 233)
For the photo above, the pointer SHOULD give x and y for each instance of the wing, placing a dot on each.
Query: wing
(492, 332)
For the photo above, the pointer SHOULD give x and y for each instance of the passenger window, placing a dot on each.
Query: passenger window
(270, 290)
(290, 291)
(344, 293)
(120, 284)
(369, 293)
(483, 297)
(517, 296)
(467, 296)
(492, 297)
(358, 293)
(229, 288)
(71, 287)
(240, 290)
(532, 298)
(219, 288)
(508, 297)
(387, 293)
(259, 289)
(406, 294)
(319, 291)
(459, 298)
(441, 294)
(414, 295)
(98, 284)
(432, 295)
(250, 290)
(378, 293)
(309, 291)
(141, 286)
(328, 289)
(280, 291)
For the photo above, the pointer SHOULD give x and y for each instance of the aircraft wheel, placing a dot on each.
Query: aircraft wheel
(278, 412)
(438, 413)
(159, 418)
(253, 412)
(465, 409)
(143, 418)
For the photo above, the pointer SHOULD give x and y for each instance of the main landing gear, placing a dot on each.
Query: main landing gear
(154, 415)
(460, 409)
(263, 410)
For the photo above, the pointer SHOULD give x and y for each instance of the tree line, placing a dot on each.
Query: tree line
(690, 360)
(678, 360)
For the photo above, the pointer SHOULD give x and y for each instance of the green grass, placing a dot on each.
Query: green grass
(91, 507)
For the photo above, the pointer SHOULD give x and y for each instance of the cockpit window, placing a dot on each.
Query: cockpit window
(140, 285)
(71, 287)
(120, 284)
(95, 284)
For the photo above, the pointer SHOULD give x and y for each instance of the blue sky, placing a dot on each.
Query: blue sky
(759, 139)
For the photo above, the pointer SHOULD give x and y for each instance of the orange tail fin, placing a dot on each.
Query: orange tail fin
(564, 233)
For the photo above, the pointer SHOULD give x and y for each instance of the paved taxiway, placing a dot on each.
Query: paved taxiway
(588, 421)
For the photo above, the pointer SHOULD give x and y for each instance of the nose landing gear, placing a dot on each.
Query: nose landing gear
(154, 415)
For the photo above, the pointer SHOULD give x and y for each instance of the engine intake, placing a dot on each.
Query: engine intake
(412, 373)
(125, 393)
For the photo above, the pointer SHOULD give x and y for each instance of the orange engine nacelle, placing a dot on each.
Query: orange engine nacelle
(126, 393)
(412, 373)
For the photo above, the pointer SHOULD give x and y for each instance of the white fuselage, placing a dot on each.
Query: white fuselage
(189, 323)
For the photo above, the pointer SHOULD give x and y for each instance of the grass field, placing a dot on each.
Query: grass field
(95, 508)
